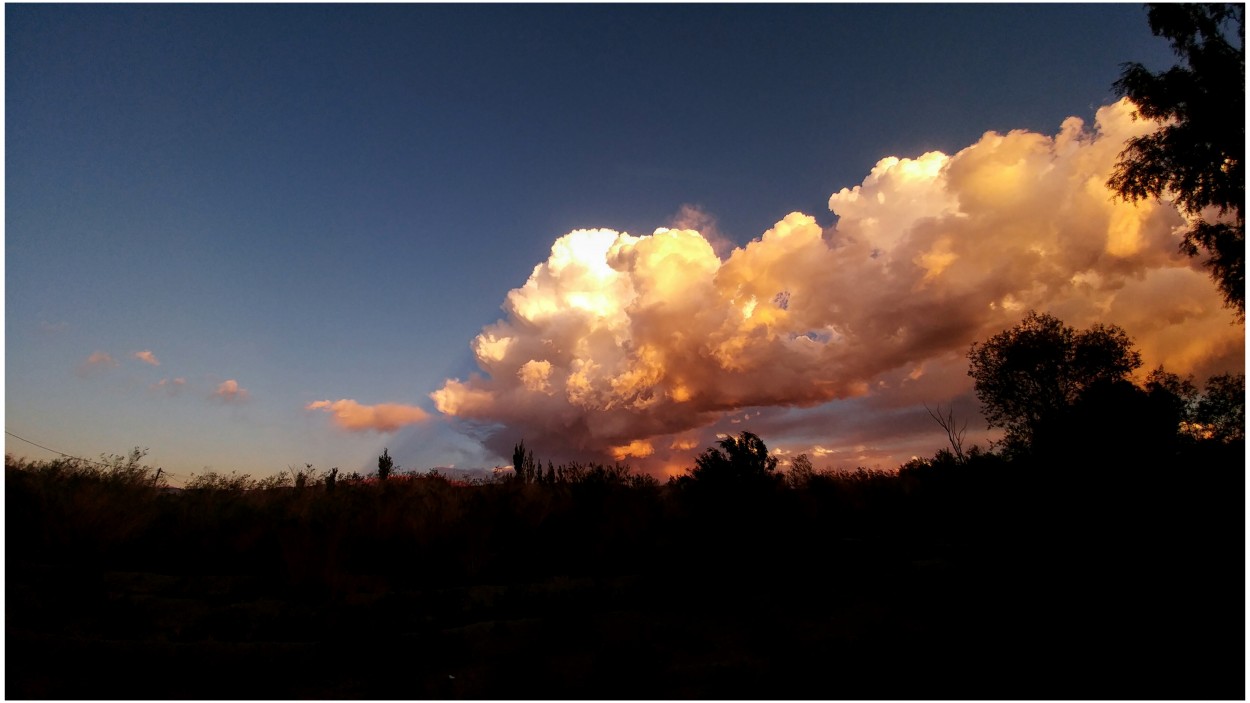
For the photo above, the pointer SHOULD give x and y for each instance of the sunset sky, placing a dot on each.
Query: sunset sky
(254, 237)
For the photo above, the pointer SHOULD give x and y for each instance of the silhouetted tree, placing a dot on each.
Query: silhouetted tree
(1174, 398)
(330, 479)
(1197, 155)
(385, 465)
(801, 471)
(955, 437)
(527, 469)
(1221, 411)
(1025, 375)
(518, 460)
(1174, 390)
(739, 460)
(1112, 424)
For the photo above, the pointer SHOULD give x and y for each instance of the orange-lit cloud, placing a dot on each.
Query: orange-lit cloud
(146, 357)
(384, 417)
(621, 341)
(638, 448)
(96, 362)
(230, 392)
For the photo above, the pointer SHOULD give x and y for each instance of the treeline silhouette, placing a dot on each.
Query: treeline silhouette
(1098, 552)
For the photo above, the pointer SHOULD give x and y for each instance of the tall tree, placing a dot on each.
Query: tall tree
(385, 465)
(526, 468)
(1197, 155)
(518, 461)
(1024, 376)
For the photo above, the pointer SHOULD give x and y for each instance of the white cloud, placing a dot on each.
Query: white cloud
(147, 357)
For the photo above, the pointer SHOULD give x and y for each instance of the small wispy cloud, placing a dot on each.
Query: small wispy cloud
(684, 443)
(229, 391)
(98, 361)
(172, 386)
(694, 217)
(384, 417)
(147, 357)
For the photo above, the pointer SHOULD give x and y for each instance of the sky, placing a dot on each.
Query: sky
(254, 237)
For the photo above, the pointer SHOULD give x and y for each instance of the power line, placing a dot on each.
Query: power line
(50, 449)
(67, 456)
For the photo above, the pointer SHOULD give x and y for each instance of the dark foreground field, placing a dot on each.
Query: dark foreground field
(985, 581)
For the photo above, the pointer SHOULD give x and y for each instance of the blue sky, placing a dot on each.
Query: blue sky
(329, 202)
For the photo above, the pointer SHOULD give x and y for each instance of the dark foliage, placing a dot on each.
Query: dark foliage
(525, 468)
(736, 461)
(1108, 572)
(1199, 154)
(1221, 412)
(385, 465)
(1027, 375)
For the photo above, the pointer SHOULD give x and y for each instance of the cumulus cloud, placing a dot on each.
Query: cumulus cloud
(384, 417)
(98, 361)
(147, 357)
(229, 391)
(628, 346)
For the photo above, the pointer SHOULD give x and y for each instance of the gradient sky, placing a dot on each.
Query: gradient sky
(253, 237)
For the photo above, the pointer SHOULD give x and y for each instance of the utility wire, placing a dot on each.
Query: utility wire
(67, 456)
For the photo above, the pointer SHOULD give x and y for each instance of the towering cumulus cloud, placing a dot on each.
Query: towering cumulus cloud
(619, 346)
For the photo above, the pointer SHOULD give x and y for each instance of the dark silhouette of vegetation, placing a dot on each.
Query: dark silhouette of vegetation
(525, 469)
(1028, 375)
(1197, 156)
(1064, 394)
(736, 461)
(801, 472)
(1220, 413)
(954, 437)
(385, 465)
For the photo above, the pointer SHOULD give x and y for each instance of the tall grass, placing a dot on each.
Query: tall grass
(1009, 566)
